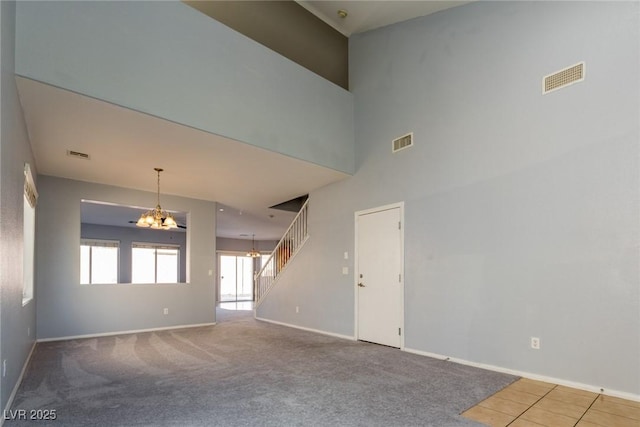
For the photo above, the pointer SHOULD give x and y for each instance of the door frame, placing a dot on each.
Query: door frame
(357, 214)
(219, 271)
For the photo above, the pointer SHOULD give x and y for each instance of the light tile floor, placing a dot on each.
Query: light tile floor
(530, 403)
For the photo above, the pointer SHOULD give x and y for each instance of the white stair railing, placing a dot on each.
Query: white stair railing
(291, 241)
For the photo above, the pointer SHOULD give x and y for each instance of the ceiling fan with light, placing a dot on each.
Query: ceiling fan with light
(178, 225)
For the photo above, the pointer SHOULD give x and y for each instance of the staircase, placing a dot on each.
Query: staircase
(287, 247)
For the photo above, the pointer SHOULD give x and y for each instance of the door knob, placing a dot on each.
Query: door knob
(361, 285)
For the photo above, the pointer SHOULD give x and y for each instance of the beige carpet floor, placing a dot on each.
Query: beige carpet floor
(242, 372)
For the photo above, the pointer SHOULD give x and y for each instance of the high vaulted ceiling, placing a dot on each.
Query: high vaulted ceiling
(124, 145)
(363, 15)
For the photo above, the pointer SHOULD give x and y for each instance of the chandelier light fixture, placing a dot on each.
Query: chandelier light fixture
(157, 218)
(253, 253)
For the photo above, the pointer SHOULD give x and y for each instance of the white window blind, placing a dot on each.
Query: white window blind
(154, 263)
(29, 235)
(99, 261)
(30, 191)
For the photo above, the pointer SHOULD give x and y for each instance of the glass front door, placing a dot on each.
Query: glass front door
(236, 278)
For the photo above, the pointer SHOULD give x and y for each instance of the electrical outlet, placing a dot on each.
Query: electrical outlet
(4, 368)
(535, 343)
(297, 309)
(166, 311)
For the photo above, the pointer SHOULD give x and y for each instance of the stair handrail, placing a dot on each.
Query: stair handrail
(291, 241)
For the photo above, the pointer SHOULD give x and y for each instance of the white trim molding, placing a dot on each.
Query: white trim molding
(18, 383)
(317, 331)
(559, 381)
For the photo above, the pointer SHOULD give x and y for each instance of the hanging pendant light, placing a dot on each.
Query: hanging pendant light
(157, 218)
(253, 253)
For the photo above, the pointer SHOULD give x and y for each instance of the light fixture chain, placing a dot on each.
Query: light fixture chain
(157, 218)
(159, 170)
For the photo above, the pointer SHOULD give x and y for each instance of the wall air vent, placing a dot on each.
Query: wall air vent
(402, 142)
(77, 154)
(563, 78)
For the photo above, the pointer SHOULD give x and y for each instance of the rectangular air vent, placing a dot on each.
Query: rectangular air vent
(77, 154)
(402, 142)
(563, 78)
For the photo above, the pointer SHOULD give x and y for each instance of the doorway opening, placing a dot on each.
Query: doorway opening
(236, 278)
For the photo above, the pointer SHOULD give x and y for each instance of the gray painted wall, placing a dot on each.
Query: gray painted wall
(243, 245)
(129, 235)
(289, 29)
(66, 308)
(313, 280)
(171, 61)
(521, 210)
(17, 323)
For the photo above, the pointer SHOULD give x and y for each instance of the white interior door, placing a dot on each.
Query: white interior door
(379, 276)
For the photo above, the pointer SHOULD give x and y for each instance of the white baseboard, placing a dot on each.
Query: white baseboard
(18, 382)
(134, 331)
(317, 331)
(559, 381)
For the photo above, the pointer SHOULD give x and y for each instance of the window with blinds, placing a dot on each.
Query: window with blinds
(29, 235)
(99, 261)
(30, 192)
(154, 263)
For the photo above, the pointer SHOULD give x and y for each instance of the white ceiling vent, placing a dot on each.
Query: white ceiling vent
(402, 142)
(563, 78)
(77, 154)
